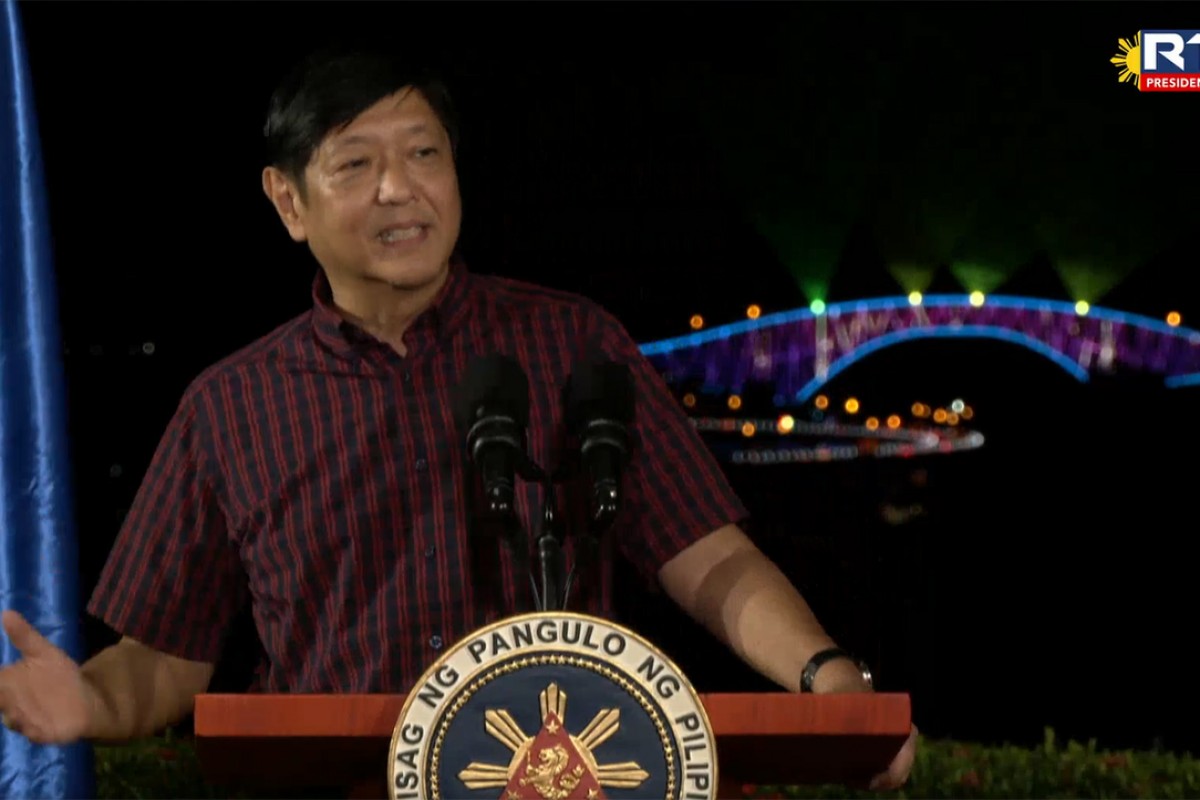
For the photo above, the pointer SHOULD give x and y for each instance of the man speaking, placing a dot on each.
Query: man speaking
(320, 473)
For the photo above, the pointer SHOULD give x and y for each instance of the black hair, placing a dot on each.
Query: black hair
(332, 86)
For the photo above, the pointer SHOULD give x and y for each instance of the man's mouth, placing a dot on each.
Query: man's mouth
(402, 233)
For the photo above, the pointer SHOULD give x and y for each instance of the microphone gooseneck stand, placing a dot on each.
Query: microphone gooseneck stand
(546, 547)
(551, 582)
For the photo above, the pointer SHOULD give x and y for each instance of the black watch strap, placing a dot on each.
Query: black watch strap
(820, 659)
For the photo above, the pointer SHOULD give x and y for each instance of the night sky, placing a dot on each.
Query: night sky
(671, 159)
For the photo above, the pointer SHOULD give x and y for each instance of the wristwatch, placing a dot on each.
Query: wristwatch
(817, 661)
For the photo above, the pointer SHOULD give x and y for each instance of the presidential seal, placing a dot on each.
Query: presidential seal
(553, 706)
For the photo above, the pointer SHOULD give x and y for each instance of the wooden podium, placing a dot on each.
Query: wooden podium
(340, 742)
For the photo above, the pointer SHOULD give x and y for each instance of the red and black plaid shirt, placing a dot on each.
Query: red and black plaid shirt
(319, 475)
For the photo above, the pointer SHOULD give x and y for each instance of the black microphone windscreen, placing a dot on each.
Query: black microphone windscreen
(495, 383)
(602, 390)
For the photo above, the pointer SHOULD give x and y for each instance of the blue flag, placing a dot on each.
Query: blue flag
(39, 573)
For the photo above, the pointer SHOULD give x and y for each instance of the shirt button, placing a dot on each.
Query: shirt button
(407, 377)
(420, 465)
(429, 551)
(435, 642)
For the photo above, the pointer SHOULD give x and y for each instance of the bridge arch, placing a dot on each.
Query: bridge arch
(799, 350)
(887, 340)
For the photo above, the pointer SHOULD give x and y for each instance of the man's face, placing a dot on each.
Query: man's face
(382, 201)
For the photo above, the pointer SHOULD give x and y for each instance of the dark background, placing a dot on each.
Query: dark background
(671, 159)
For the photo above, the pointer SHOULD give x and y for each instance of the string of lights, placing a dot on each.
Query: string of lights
(931, 430)
(794, 454)
(953, 413)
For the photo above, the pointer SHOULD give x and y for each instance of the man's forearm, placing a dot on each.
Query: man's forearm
(132, 693)
(732, 588)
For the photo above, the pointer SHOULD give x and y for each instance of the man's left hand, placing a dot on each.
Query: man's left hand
(896, 775)
(842, 676)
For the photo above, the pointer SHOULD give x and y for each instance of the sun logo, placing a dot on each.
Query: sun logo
(1128, 60)
(553, 764)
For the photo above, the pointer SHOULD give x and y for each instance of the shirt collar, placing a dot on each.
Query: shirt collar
(449, 309)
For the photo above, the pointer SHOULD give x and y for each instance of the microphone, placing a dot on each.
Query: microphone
(598, 406)
(493, 407)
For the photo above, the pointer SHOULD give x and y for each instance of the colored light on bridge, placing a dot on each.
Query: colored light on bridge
(689, 400)
(872, 424)
(748, 430)
(914, 298)
(753, 312)
(852, 406)
(734, 402)
(786, 424)
(1082, 307)
(697, 322)
(920, 410)
(817, 306)
(821, 402)
(939, 416)
(976, 299)
(967, 413)
(893, 422)
(952, 418)
(957, 406)
(1173, 319)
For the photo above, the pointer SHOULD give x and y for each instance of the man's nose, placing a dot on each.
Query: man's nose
(396, 185)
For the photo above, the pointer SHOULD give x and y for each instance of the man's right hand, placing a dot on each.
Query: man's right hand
(43, 696)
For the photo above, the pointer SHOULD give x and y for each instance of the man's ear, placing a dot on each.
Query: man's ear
(284, 194)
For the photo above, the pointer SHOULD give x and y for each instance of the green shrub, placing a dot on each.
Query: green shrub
(946, 769)
(167, 768)
(161, 767)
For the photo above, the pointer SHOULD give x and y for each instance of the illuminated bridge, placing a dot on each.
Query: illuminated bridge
(798, 351)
